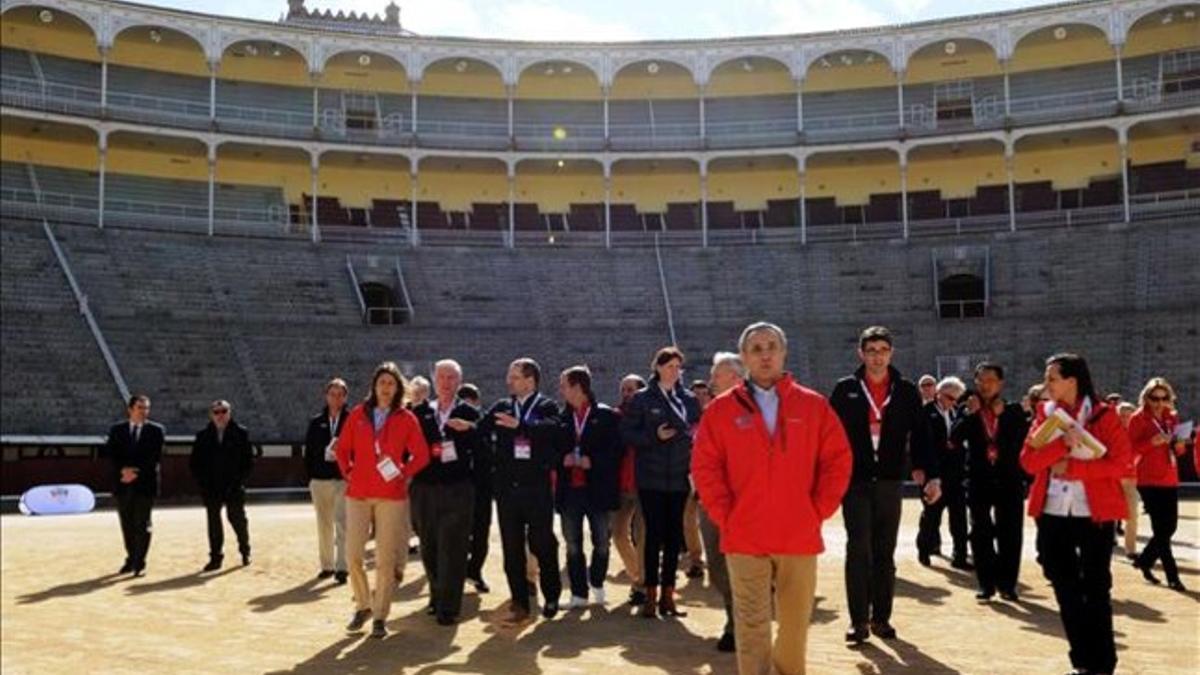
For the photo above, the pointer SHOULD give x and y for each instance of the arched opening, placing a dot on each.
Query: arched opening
(750, 102)
(962, 296)
(1161, 58)
(364, 96)
(158, 74)
(654, 105)
(953, 84)
(850, 95)
(1062, 72)
(382, 307)
(265, 88)
(558, 106)
(462, 104)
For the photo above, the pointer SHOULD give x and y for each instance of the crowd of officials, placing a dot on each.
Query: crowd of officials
(741, 468)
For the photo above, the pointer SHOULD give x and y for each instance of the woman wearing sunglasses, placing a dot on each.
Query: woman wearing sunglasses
(1156, 446)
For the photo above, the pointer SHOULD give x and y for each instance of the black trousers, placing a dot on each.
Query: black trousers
(481, 526)
(1076, 556)
(663, 513)
(443, 513)
(1162, 504)
(234, 501)
(527, 516)
(871, 511)
(954, 503)
(134, 510)
(997, 523)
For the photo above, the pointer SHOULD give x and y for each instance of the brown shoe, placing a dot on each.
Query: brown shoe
(516, 616)
(650, 607)
(666, 603)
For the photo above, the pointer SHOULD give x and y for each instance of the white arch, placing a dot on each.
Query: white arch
(724, 58)
(1132, 17)
(422, 61)
(328, 55)
(302, 47)
(977, 36)
(198, 35)
(525, 64)
(818, 54)
(90, 19)
(1022, 32)
(620, 61)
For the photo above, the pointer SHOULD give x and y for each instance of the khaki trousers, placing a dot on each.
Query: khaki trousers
(795, 581)
(629, 537)
(691, 532)
(329, 501)
(392, 524)
(1129, 486)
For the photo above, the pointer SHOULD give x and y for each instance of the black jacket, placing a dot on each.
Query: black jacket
(540, 426)
(660, 465)
(315, 441)
(222, 466)
(144, 456)
(465, 443)
(602, 444)
(952, 463)
(1011, 430)
(905, 432)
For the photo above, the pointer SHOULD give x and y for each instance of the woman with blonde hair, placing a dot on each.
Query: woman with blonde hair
(380, 449)
(1157, 446)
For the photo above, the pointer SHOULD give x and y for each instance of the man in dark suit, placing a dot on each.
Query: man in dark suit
(881, 412)
(587, 486)
(221, 461)
(943, 414)
(443, 494)
(135, 449)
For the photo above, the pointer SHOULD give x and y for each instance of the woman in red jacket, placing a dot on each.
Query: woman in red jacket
(380, 448)
(1076, 498)
(1152, 434)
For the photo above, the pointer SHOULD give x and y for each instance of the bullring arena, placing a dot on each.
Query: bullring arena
(212, 210)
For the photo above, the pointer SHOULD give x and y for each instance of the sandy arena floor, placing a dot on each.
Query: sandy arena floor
(64, 611)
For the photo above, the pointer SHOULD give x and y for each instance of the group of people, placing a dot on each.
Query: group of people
(749, 459)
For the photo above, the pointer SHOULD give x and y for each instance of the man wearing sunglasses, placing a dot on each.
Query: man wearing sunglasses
(221, 461)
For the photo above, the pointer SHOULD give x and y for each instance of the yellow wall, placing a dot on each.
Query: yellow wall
(852, 184)
(1165, 148)
(580, 84)
(147, 162)
(1151, 36)
(857, 76)
(288, 69)
(554, 193)
(457, 190)
(633, 82)
(382, 74)
(478, 81)
(66, 36)
(749, 189)
(957, 177)
(651, 191)
(1067, 167)
(49, 151)
(176, 53)
(1083, 44)
(732, 80)
(970, 59)
(293, 176)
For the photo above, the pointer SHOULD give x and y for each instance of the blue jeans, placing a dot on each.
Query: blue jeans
(575, 509)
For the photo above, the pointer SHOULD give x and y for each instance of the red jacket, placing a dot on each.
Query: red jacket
(1156, 464)
(769, 495)
(356, 453)
(1101, 477)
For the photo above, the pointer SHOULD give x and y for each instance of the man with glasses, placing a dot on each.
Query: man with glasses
(221, 461)
(135, 449)
(881, 412)
(928, 385)
(943, 414)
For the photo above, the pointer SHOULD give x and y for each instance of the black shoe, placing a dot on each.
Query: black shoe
(550, 609)
(413, 550)
(481, 586)
(245, 558)
(961, 564)
(1147, 574)
(377, 629)
(1009, 596)
(213, 565)
(985, 595)
(1176, 585)
(923, 558)
(857, 634)
(1131, 557)
(446, 620)
(126, 568)
(431, 610)
(726, 643)
(341, 577)
(695, 572)
(139, 571)
(358, 620)
(325, 574)
(883, 629)
(637, 598)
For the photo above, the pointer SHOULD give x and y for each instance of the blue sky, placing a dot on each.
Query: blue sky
(624, 19)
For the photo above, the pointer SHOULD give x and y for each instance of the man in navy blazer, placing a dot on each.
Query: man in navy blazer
(135, 448)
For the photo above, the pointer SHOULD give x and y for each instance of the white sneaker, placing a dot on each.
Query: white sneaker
(577, 602)
(598, 596)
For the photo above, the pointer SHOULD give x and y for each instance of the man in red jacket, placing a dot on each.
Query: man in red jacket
(771, 462)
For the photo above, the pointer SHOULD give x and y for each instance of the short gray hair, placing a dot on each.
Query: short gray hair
(731, 360)
(759, 327)
(448, 363)
(952, 381)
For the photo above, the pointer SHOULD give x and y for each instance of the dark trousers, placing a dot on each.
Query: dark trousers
(1076, 556)
(575, 510)
(443, 514)
(1162, 503)
(133, 510)
(954, 503)
(527, 516)
(997, 520)
(234, 501)
(718, 572)
(481, 526)
(663, 513)
(871, 511)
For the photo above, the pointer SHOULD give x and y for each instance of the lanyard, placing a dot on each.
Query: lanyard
(375, 431)
(991, 425)
(875, 409)
(442, 419)
(1164, 430)
(680, 410)
(580, 424)
(533, 401)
